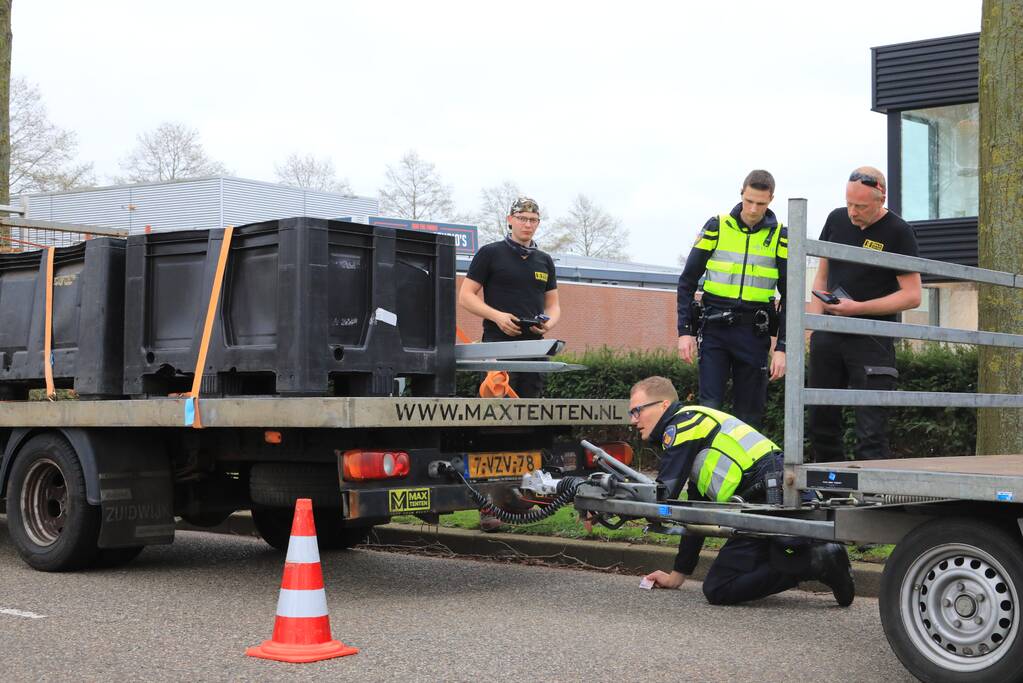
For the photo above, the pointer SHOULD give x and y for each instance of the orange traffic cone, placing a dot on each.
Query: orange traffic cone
(302, 627)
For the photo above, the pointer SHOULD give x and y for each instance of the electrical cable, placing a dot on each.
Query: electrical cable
(567, 487)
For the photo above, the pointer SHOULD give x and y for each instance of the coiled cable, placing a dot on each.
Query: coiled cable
(567, 487)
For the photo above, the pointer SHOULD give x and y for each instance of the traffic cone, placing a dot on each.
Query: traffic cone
(302, 627)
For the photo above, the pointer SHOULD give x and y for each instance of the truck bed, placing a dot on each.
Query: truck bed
(984, 478)
(332, 413)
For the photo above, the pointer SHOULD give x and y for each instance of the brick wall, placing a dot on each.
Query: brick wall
(597, 315)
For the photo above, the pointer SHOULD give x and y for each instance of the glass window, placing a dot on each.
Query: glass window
(940, 156)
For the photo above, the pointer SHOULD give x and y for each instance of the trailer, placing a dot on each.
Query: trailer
(92, 482)
(951, 592)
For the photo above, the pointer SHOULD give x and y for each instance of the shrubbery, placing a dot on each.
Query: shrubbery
(913, 431)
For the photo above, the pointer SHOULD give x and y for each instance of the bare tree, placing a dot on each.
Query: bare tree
(415, 190)
(492, 219)
(1000, 223)
(41, 153)
(5, 101)
(590, 231)
(311, 173)
(171, 152)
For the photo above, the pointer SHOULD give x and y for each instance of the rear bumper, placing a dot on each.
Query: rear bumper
(408, 500)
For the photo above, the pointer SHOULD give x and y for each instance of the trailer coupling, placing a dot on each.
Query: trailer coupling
(616, 481)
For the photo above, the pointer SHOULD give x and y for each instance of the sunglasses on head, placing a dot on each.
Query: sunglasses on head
(868, 180)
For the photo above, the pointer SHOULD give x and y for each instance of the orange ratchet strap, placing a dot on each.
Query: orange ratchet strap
(192, 417)
(51, 392)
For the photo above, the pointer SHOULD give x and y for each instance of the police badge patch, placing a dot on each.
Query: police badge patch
(669, 436)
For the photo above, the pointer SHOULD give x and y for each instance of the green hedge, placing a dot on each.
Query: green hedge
(913, 431)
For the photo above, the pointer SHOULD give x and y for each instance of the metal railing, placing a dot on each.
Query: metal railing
(25, 234)
(797, 321)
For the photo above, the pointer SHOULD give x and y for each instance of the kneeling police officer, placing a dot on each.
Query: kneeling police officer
(721, 456)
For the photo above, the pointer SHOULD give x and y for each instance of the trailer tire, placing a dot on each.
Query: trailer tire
(274, 526)
(51, 523)
(950, 602)
(276, 484)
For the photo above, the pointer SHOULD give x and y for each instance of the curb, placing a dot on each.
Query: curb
(628, 558)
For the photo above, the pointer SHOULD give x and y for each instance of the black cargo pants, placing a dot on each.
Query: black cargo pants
(752, 568)
(847, 361)
(734, 352)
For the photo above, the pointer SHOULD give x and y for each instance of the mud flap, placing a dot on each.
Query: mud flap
(135, 488)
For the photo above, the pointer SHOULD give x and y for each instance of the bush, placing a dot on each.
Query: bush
(913, 432)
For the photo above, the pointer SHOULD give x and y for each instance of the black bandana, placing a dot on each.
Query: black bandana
(521, 250)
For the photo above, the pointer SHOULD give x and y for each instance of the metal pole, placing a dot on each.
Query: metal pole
(795, 346)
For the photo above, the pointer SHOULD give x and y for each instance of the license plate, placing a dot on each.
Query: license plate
(484, 465)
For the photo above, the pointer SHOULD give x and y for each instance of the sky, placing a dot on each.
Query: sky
(655, 110)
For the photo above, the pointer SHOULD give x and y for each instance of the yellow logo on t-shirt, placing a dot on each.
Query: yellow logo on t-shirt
(871, 244)
(540, 275)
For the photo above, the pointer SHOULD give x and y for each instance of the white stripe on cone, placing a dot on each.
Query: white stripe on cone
(303, 549)
(302, 603)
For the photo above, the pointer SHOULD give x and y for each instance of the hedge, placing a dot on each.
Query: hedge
(913, 432)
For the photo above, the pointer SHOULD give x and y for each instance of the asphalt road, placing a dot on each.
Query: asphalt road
(188, 611)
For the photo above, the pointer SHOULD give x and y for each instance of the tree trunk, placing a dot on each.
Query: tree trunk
(1000, 229)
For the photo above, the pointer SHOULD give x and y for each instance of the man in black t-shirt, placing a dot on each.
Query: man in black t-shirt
(512, 280)
(841, 361)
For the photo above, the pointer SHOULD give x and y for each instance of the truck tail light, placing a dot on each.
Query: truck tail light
(619, 450)
(366, 465)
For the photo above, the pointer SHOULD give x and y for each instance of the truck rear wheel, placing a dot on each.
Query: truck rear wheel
(950, 602)
(52, 525)
(277, 484)
(274, 526)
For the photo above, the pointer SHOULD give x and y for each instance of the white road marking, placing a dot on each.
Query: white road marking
(21, 613)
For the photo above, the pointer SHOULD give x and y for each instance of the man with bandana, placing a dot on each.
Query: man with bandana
(715, 457)
(513, 280)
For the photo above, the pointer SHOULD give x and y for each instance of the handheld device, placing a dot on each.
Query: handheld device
(526, 323)
(826, 297)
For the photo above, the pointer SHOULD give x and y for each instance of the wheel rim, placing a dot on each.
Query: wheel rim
(44, 502)
(960, 607)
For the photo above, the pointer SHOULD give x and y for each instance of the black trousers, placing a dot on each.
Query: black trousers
(734, 352)
(847, 361)
(752, 568)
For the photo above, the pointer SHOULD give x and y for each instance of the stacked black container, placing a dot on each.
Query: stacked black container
(87, 319)
(309, 307)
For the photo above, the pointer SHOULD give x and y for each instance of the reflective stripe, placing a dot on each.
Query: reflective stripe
(302, 549)
(302, 603)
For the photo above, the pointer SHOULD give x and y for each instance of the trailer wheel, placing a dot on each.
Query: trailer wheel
(52, 525)
(274, 526)
(950, 602)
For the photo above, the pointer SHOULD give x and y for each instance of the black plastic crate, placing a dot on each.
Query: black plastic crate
(306, 309)
(87, 319)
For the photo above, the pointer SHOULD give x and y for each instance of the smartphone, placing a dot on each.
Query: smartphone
(826, 297)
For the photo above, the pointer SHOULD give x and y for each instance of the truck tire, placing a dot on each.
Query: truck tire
(277, 484)
(52, 525)
(274, 526)
(950, 602)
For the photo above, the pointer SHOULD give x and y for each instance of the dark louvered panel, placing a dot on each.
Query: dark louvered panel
(953, 240)
(925, 73)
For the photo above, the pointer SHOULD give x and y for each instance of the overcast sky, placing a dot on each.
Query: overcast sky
(656, 110)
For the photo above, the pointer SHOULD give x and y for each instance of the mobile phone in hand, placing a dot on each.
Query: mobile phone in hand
(826, 297)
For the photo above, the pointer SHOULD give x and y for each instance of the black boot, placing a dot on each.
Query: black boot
(829, 564)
